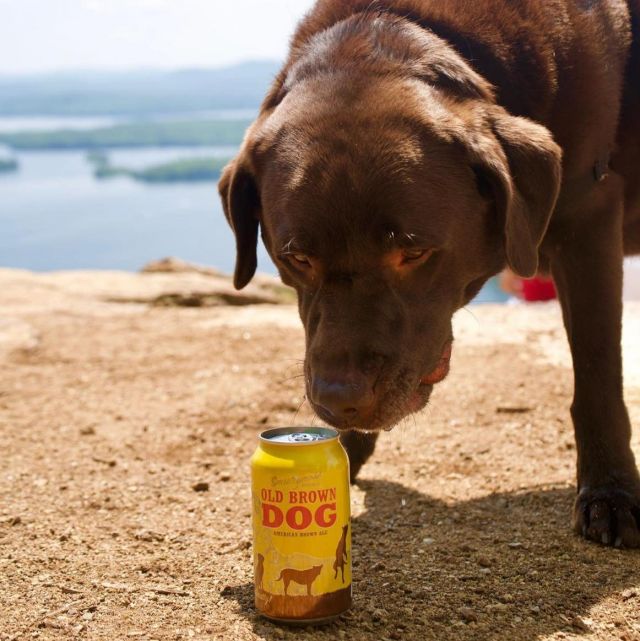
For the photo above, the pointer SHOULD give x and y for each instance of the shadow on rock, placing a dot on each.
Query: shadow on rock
(502, 566)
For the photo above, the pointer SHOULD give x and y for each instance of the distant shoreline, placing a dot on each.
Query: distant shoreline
(139, 93)
(181, 133)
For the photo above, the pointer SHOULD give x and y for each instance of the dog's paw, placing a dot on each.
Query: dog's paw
(608, 515)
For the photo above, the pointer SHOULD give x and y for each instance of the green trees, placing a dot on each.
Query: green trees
(197, 133)
(7, 165)
(181, 170)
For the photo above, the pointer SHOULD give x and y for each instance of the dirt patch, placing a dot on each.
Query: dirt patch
(118, 417)
(199, 299)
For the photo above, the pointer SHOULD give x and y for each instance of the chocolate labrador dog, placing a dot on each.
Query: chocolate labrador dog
(408, 151)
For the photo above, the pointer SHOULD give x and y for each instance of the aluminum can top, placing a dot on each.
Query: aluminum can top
(299, 435)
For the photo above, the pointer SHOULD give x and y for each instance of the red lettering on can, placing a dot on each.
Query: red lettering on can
(272, 496)
(323, 517)
(327, 495)
(298, 517)
(305, 518)
(272, 515)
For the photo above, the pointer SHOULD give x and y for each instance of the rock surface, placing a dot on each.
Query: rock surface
(112, 413)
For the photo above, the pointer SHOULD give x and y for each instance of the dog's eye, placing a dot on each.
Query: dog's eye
(300, 260)
(415, 255)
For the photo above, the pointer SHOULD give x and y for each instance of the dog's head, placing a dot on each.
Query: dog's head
(386, 203)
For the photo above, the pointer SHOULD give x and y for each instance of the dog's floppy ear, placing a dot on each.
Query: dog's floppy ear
(241, 203)
(524, 167)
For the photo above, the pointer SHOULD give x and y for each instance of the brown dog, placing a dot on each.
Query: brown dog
(341, 553)
(259, 571)
(409, 150)
(302, 577)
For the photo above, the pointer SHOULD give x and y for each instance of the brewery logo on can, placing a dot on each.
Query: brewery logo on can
(301, 525)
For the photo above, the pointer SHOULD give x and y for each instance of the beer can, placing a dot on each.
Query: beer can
(301, 525)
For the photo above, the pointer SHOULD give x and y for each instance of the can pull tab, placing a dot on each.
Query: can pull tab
(303, 437)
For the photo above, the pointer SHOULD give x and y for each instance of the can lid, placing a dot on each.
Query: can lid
(299, 435)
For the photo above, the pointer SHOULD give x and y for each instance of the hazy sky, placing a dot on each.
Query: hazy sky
(45, 35)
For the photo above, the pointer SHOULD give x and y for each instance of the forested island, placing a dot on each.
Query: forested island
(181, 170)
(181, 133)
(7, 165)
(189, 108)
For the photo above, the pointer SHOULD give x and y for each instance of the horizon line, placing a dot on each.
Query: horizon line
(137, 69)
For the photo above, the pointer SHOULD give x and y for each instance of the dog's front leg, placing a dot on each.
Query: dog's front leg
(586, 260)
(359, 447)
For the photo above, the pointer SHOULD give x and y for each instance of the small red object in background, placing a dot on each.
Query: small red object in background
(538, 289)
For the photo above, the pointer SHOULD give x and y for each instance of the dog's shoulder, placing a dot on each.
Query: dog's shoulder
(520, 48)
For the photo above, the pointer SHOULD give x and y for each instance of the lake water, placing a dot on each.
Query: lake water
(55, 215)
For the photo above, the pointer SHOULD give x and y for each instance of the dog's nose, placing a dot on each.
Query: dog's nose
(344, 400)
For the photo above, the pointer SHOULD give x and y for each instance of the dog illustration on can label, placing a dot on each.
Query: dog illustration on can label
(301, 525)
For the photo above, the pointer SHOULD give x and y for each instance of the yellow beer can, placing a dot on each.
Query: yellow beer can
(301, 525)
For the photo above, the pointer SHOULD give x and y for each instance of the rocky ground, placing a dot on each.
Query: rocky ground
(120, 393)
